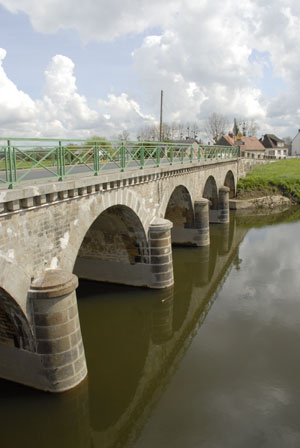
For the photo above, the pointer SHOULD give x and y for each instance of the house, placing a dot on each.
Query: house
(296, 145)
(275, 147)
(250, 147)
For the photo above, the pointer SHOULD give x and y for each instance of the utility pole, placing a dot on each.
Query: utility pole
(161, 112)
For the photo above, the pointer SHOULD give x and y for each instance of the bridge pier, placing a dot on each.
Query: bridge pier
(57, 330)
(198, 235)
(160, 248)
(223, 206)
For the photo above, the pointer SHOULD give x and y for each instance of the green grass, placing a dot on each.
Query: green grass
(281, 177)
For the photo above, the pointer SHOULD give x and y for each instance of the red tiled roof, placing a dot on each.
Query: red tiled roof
(229, 139)
(249, 143)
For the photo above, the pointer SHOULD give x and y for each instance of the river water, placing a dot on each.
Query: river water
(214, 362)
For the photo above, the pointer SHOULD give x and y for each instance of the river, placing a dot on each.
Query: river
(213, 362)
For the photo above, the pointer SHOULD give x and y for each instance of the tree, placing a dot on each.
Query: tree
(124, 135)
(216, 126)
(248, 127)
(235, 128)
(288, 144)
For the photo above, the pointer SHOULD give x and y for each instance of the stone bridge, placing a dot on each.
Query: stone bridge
(118, 228)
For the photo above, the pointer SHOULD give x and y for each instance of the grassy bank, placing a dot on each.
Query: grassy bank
(282, 177)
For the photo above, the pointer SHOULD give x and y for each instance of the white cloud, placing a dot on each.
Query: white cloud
(98, 20)
(63, 112)
(15, 105)
(200, 55)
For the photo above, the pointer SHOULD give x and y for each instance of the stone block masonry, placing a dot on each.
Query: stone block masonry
(57, 329)
(115, 227)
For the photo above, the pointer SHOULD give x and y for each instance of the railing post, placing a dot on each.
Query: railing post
(171, 155)
(11, 165)
(96, 160)
(191, 154)
(142, 157)
(122, 155)
(158, 149)
(181, 155)
(199, 153)
(60, 169)
(6, 158)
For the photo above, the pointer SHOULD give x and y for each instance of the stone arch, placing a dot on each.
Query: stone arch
(230, 183)
(180, 209)
(112, 247)
(14, 327)
(210, 192)
(87, 214)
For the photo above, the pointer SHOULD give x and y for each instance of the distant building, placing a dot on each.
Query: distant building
(275, 147)
(296, 145)
(250, 147)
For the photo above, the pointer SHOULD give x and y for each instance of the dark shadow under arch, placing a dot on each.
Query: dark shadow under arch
(114, 243)
(230, 183)
(210, 192)
(14, 327)
(180, 208)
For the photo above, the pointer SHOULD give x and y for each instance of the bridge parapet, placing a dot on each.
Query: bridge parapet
(22, 160)
(115, 226)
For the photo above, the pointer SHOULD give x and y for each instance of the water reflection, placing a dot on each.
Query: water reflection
(140, 344)
(155, 380)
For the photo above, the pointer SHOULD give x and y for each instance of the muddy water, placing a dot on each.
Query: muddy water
(213, 362)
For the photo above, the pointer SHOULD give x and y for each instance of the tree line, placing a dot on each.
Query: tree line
(213, 128)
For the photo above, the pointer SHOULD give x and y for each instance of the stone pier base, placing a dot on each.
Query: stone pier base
(160, 248)
(57, 330)
(198, 235)
(223, 208)
(55, 361)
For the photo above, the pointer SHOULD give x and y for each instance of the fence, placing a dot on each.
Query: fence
(24, 160)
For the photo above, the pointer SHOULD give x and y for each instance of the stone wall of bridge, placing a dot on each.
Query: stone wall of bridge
(116, 228)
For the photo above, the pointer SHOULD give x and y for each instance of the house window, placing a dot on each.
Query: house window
(252, 156)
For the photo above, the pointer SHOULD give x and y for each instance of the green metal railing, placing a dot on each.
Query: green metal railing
(25, 160)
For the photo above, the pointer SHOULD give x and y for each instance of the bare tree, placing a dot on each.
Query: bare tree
(288, 144)
(216, 126)
(149, 133)
(247, 127)
(175, 131)
(124, 135)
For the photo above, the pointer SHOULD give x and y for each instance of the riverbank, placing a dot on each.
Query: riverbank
(266, 182)
(264, 202)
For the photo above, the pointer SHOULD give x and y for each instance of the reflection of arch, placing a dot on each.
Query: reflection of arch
(213, 249)
(116, 236)
(180, 208)
(229, 182)
(116, 346)
(184, 284)
(14, 328)
(210, 192)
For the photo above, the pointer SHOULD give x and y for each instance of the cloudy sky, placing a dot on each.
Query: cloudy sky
(75, 69)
